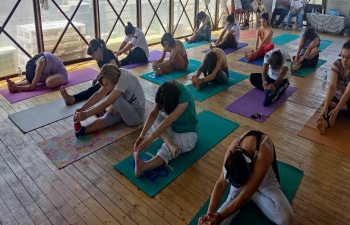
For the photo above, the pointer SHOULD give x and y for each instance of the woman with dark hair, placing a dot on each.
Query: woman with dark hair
(44, 68)
(214, 68)
(274, 78)
(250, 168)
(124, 103)
(338, 94)
(174, 120)
(201, 33)
(308, 52)
(178, 56)
(99, 52)
(231, 39)
(263, 43)
(134, 46)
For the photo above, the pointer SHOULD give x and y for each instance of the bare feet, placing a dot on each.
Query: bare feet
(138, 165)
(157, 72)
(246, 56)
(211, 46)
(187, 40)
(174, 150)
(322, 125)
(68, 99)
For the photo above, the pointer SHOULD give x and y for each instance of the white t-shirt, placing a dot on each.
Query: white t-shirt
(273, 74)
(236, 28)
(139, 40)
(131, 88)
(297, 4)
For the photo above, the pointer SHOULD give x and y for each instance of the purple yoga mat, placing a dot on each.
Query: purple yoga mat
(252, 103)
(229, 50)
(153, 55)
(75, 77)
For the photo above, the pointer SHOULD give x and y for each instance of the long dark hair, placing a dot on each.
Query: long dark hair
(168, 38)
(309, 33)
(266, 17)
(96, 44)
(31, 67)
(129, 29)
(209, 63)
(167, 96)
(200, 16)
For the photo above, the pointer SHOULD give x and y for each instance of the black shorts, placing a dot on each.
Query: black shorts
(310, 62)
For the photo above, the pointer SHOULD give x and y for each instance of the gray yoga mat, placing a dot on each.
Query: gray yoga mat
(33, 118)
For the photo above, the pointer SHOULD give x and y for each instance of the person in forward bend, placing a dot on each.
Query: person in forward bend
(201, 32)
(44, 68)
(214, 68)
(134, 46)
(263, 43)
(174, 120)
(251, 171)
(308, 50)
(230, 40)
(178, 56)
(338, 94)
(99, 52)
(274, 78)
(124, 103)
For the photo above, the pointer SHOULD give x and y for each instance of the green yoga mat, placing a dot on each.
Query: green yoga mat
(193, 66)
(211, 130)
(324, 44)
(284, 39)
(250, 213)
(196, 44)
(213, 88)
(305, 71)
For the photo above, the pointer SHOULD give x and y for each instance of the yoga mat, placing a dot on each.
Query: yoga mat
(66, 148)
(284, 39)
(193, 66)
(196, 44)
(153, 55)
(75, 77)
(247, 34)
(213, 88)
(335, 137)
(252, 103)
(250, 213)
(229, 50)
(209, 134)
(305, 71)
(324, 44)
(44, 114)
(257, 61)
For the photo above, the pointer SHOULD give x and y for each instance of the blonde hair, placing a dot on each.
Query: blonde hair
(109, 71)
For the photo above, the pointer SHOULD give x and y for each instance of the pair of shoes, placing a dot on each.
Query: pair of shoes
(299, 28)
(287, 28)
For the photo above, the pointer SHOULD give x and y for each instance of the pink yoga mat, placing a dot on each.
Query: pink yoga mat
(75, 77)
(247, 34)
(252, 103)
(153, 55)
(229, 50)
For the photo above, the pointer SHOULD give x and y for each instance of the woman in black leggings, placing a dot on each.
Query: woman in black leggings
(99, 52)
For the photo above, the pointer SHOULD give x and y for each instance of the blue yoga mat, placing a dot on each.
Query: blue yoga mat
(211, 130)
(257, 61)
(229, 50)
(193, 66)
(284, 39)
(213, 88)
(324, 44)
(196, 44)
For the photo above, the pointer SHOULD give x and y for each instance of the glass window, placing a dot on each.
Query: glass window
(183, 19)
(11, 57)
(223, 13)
(155, 25)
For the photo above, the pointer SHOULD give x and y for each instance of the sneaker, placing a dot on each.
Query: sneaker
(287, 28)
(299, 28)
(280, 26)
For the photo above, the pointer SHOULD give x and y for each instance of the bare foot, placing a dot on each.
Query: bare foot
(187, 40)
(157, 72)
(68, 99)
(138, 165)
(211, 46)
(321, 126)
(174, 150)
(246, 56)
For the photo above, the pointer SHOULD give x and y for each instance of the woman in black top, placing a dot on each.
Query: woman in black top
(99, 52)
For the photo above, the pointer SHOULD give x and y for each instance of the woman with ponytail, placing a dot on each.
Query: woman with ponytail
(201, 33)
(99, 52)
(134, 46)
(44, 68)
(214, 68)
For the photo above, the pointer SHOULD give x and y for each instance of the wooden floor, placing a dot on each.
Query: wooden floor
(91, 191)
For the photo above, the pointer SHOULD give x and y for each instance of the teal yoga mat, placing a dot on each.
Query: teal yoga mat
(284, 39)
(196, 44)
(213, 88)
(324, 44)
(193, 66)
(211, 130)
(250, 213)
(305, 71)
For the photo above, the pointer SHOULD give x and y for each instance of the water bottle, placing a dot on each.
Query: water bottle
(325, 76)
(19, 73)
